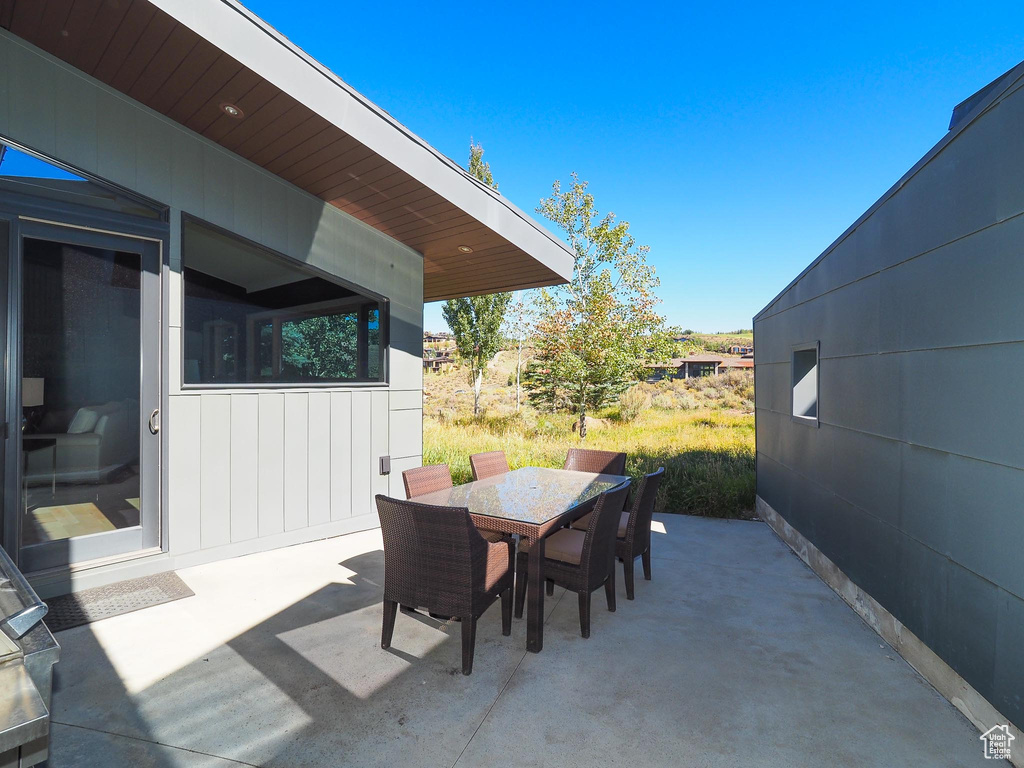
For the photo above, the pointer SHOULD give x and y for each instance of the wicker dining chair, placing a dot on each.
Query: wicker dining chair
(423, 480)
(580, 561)
(634, 534)
(589, 460)
(435, 559)
(436, 477)
(488, 464)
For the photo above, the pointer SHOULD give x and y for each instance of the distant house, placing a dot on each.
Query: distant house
(736, 363)
(741, 350)
(436, 338)
(697, 365)
(437, 363)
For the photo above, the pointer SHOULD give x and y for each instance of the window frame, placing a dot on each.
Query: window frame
(810, 421)
(384, 307)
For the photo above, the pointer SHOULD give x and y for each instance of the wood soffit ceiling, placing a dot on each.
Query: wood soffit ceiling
(144, 53)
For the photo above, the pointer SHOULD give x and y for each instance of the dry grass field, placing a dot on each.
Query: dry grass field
(701, 431)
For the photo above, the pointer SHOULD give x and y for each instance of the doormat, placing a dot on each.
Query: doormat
(98, 603)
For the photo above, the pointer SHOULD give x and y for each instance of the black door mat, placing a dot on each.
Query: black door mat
(91, 605)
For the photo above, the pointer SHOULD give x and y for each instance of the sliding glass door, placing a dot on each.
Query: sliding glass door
(88, 438)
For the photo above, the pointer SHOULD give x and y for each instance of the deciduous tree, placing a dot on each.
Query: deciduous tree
(596, 334)
(518, 327)
(476, 325)
(476, 321)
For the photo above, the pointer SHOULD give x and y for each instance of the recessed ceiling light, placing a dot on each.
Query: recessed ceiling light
(232, 110)
(465, 249)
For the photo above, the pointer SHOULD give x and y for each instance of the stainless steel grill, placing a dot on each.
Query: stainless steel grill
(27, 655)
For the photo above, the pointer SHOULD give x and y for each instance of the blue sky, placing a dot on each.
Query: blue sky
(737, 140)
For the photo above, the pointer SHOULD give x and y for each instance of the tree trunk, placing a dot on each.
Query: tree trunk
(583, 419)
(477, 382)
(519, 366)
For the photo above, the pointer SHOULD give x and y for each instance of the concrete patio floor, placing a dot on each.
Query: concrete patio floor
(735, 654)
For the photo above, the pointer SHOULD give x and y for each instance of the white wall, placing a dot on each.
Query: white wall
(245, 469)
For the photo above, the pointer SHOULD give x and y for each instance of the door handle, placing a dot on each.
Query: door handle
(154, 421)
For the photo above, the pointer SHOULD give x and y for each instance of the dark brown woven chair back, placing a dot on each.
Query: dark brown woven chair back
(602, 462)
(488, 464)
(638, 531)
(429, 556)
(422, 480)
(599, 545)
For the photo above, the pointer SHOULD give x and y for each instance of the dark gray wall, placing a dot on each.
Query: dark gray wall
(913, 482)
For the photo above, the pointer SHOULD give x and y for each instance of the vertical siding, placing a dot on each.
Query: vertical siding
(362, 461)
(296, 465)
(245, 462)
(341, 455)
(319, 458)
(215, 480)
(183, 439)
(271, 464)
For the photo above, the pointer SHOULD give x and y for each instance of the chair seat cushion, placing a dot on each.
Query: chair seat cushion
(584, 522)
(565, 545)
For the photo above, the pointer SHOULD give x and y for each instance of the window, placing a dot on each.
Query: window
(805, 383)
(254, 317)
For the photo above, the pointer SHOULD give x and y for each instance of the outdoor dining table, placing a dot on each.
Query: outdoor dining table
(531, 502)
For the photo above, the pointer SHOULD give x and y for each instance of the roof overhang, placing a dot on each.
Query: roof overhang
(186, 58)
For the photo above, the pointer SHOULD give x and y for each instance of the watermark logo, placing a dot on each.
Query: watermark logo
(997, 741)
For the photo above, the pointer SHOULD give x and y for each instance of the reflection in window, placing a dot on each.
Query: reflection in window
(25, 174)
(252, 317)
(805, 383)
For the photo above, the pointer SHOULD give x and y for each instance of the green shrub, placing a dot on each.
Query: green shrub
(666, 401)
(633, 402)
(686, 401)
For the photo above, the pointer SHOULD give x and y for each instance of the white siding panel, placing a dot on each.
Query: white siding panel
(404, 400)
(362, 457)
(271, 464)
(215, 481)
(31, 98)
(173, 368)
(275, 215)
(184, 495)
(245, 457)
(380, 439)
(319, 458)
(5, 88)
(187, 175)
(174, 298)
(218, 188)
(406, 431)
(115, 158)
(76, 128)
(341, 455)
(153, 161)
(296, 465)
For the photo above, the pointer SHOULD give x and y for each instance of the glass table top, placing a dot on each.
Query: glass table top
(529, 495)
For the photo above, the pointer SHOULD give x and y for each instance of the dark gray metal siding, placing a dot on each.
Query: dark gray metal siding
(913, 484)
